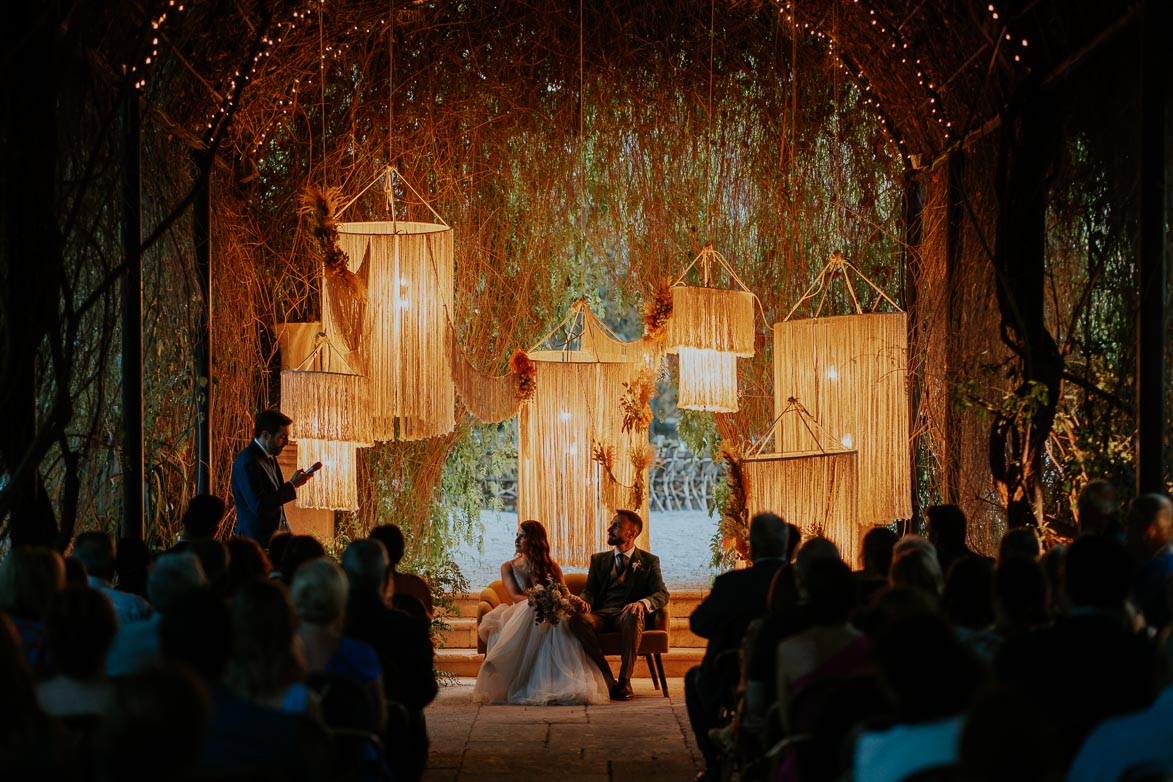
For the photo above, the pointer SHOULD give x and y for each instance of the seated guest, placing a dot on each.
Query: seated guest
(267, 666)
(915, 566)
(96, 552)
(968, 597)
(933, 679)
(405, 586)
(319, 596)
(829, 652)
(137, 644)
(1095, 645)
(299, 549)
(276, 550)
(214, 559)
(202, 518)
(947, 532)
(876, 559)
(403, 645)
(1132, 746)
(1150, 537)
(245, 737)
(75, 573)
(1021, 604)
(131, 562)
(29, 578)
(80, 626)
(156, 726)
(786, 616)
(32, 746)
(247, 561)
(1020, 542)
(1098, 511)
(737, 598)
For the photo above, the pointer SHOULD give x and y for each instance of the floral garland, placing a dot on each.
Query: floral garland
(319, 205)
(527, 375)
(734, 526)
(637, 413)
(552, 601)
(658, 310)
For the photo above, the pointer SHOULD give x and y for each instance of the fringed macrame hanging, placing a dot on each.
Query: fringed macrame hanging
(576, 409)
(851, 371)
(331, 420)
(710, 328)
(405, 351)
(492, 398)
(817, 490)
(335, 486)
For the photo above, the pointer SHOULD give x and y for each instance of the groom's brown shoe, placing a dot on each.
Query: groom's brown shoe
(622, 691)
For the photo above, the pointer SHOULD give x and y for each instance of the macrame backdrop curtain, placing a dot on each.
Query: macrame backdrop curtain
(577, 405)
(850, 372)
(817, 492)
(404, 344)
(709, 329)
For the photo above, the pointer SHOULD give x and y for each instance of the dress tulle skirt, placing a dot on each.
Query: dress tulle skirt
(534, 665)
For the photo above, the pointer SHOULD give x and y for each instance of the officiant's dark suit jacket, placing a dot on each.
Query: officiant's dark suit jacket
(641, 581)
(737, 598)
(260, 492)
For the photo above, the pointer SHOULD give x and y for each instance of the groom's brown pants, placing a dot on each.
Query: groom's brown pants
(631, 627)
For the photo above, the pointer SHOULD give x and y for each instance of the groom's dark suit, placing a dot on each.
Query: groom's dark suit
(607, 591)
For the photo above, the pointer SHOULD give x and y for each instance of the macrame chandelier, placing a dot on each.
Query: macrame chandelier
(331, 420)
(851, 371)
(710, 328)
(817, 490)
(405, 346)
(577, 413)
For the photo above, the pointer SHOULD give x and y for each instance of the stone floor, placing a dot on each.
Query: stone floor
(645, 740)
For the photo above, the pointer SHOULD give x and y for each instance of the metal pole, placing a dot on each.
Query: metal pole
(133, 471)
(202, 230)
(1151, 414)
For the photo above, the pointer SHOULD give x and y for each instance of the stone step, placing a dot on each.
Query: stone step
(465, 663)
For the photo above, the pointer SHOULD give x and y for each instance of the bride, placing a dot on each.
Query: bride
(527, 663)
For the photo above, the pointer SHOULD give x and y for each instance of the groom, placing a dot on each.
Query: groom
(623, 586)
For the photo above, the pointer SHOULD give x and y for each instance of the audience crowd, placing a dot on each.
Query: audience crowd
(223, 660)
(215, 660)
(934, 663)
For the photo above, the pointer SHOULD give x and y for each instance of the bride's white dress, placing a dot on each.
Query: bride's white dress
(534, 664)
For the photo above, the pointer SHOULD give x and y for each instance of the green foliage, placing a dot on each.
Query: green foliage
(698, 432)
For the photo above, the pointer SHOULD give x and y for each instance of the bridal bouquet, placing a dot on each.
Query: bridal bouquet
(552, 601)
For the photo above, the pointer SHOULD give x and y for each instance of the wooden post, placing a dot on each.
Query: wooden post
(914, 207)
(954, 218)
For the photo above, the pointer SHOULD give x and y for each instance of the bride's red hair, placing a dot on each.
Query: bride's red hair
(537, 550)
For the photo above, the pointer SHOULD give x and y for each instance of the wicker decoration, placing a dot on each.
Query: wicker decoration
(405, 349)
(708, 380)
(709, 329)
(334, 486)
(816, 490)
(331, 414)
(327, 406)
(851, 370)
(577, 412)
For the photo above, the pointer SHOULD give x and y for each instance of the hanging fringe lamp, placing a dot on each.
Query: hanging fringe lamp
(577, 409)
(709, 329)
(817, 490)
(405, 345)
(852, 372)
(331, 420)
